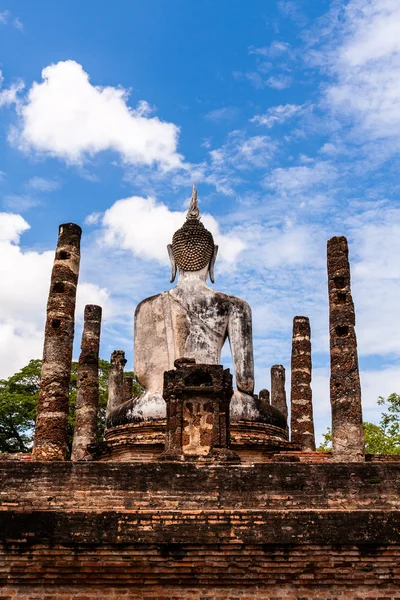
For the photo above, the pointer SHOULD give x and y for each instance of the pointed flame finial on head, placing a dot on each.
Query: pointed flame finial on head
(193, 212)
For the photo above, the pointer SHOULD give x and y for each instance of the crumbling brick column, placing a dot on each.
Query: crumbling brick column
(51, 431)
(301, 410)
(198, 398)
(87, 398)
(115, 381)
(345, 388)
(278, 393)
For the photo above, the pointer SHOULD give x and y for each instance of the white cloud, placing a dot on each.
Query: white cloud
(279, 82)
(41, 184)
(68, 117)
(18, 24)
(295, 179)
(226, 113)
(93, 218)
(10, 95)
(366, 67)
(20, 202)
(376, 281)
(277, 114)
(4, 17)
(276, 48)
(23, 297)
(243, 152)
(253, 77)
(144, 227)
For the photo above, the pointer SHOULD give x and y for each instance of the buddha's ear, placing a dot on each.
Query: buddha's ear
(212, 263)
(173, 264)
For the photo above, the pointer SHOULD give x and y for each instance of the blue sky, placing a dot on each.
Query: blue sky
(286, 113)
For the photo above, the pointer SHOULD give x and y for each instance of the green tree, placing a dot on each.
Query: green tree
(18, 401)
(383, 438)
(18, 404)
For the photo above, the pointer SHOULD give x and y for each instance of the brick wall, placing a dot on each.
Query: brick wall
(192, 593)
(278, 530)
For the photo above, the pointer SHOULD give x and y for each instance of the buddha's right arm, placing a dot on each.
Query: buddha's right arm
(241, 343)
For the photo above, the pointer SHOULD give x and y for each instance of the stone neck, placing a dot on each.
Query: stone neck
(192, 279)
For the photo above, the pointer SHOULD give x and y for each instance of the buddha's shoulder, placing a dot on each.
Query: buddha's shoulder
(149, 303)
(233, 302)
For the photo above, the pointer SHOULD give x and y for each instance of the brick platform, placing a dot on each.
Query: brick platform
(268, 531)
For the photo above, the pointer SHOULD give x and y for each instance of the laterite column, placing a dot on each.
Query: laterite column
(87, 398)
(278, 393)
(51, 432)
(116, 381)
(347, 427)
(301, 410)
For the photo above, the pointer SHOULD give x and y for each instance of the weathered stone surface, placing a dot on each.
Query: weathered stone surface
(115, 383)
(127, 388)
(87, 397)
(301, 410)
(52, 418)
(278, 392)
(345, 389)
(197, 398)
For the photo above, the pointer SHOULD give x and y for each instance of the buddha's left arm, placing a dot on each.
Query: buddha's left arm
(241, 343)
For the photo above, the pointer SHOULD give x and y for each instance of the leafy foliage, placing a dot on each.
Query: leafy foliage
(379, 439)
(18, 401)
(18, 404)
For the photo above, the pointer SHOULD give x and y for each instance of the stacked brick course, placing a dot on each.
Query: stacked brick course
(181, 530)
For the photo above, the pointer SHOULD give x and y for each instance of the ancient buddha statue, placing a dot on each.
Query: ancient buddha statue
(191, 320)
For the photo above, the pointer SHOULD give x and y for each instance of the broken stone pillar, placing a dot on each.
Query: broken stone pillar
(278, 393)
(51, 430)
(263, 399)
(345, 389)
(127, 388)
(301, 410)
(198, 399)
(87, 398)
(115, 382)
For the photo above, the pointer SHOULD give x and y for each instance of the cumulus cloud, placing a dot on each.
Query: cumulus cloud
(366, 67)
(23, 296)
(68, 117)
(144, 227)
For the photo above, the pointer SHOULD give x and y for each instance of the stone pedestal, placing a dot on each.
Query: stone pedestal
(197, 398)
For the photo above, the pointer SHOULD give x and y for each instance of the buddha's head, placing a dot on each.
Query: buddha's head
(193, 247)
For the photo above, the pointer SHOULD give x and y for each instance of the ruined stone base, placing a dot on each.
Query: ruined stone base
(144, 441)
(287, 531)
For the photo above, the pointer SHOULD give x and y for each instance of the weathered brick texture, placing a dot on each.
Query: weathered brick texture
(178, 530)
